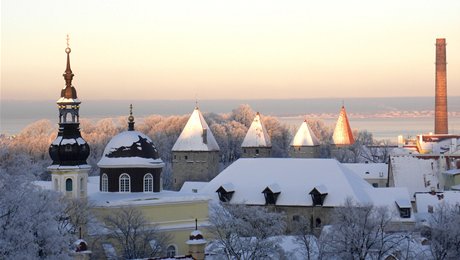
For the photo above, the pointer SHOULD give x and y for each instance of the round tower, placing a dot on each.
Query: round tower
(69, 151)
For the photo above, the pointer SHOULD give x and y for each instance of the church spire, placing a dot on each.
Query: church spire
(68, 91)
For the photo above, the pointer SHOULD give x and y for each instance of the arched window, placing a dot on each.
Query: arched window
(125, 183)
(104, 183)
(68, 184)
(148, 182)
(171, 251)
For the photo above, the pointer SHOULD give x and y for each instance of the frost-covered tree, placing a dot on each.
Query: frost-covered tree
(137, 238)
(445, 232)
(244, 232)
(304, 236)
(359, 232)
(243, 114)
(30, 220)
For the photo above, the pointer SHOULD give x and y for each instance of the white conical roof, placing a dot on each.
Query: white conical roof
(196, 135)
(342, 132)
(256, 136)
(304, 136)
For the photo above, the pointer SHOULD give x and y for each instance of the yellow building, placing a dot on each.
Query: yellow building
(172, 212)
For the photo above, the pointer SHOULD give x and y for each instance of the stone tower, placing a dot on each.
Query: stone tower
(69, 151)
(343, 136)
(304, 144)
(195, 155)
(256, 143)
(440, 121)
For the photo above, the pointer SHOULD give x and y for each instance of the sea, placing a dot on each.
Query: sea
(385, 118)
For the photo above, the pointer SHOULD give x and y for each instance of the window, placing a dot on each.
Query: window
(186, 157)
(271, 195)
(257, 151)
(295, 218)
(404, 212)
(244, 150)
(174, 157)
(225, 193)
(68, 184)
(318, 222)
(82, 186)
(367, 172)
(148, 182)
(375, 185)
(104, 183)
(171, 251)
(318, 194)
(125, 183)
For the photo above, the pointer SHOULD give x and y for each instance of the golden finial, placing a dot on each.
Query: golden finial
(131, 118)
(67, 50)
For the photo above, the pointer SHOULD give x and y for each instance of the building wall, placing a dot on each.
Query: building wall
(177, 219)
(256, 152)
(79, 178)
(136, 177)
(304, 151)
(194, 166)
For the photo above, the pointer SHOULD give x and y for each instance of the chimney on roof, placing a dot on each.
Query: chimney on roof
(440, 120)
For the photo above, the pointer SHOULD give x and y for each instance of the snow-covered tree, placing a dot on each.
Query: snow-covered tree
(244, 232)
(359, 232)
(137, 238)
(305, 237)
(30, 220)
(445, 232)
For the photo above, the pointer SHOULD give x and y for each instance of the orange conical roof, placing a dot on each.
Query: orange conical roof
(342, 132)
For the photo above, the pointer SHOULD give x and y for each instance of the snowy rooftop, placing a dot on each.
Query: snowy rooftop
(426, 200)
(369, 170)
(342, 132)
(257, 135)
(192, 186)
(130, 148)
(296, 178)
(108, 199)
(417, 175)
(304, 136)
(196, 135)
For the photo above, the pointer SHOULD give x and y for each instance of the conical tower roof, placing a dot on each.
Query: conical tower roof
(196, 135)
(342, 132)
(304, 136)
(257, 135)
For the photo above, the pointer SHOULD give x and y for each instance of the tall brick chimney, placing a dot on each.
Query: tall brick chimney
(440, 120)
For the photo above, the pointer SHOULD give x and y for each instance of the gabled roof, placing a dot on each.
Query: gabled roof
(257, 135)
(304, 136)
(196, 135)
(295, 179)
(342, 132)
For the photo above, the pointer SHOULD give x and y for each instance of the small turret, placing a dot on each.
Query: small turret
(196, 243)
(257, 142)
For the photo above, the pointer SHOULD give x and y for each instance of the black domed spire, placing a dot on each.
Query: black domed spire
(69, 148)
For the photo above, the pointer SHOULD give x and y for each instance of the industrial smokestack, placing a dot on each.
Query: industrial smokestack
(440, 120)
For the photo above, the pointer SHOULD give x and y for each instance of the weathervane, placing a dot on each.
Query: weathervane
(67, 50)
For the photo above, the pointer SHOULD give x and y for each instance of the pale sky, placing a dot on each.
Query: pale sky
(132, 49)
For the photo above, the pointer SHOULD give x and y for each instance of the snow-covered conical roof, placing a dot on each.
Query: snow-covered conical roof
(304, 136)
(196, 135)
(257, 135)
(342, 132)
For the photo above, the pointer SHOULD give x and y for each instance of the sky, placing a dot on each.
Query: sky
(124, 49)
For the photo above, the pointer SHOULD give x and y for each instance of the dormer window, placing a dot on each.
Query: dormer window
(404, 207)
(271, 194)
(225, 192)
(318, 194)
